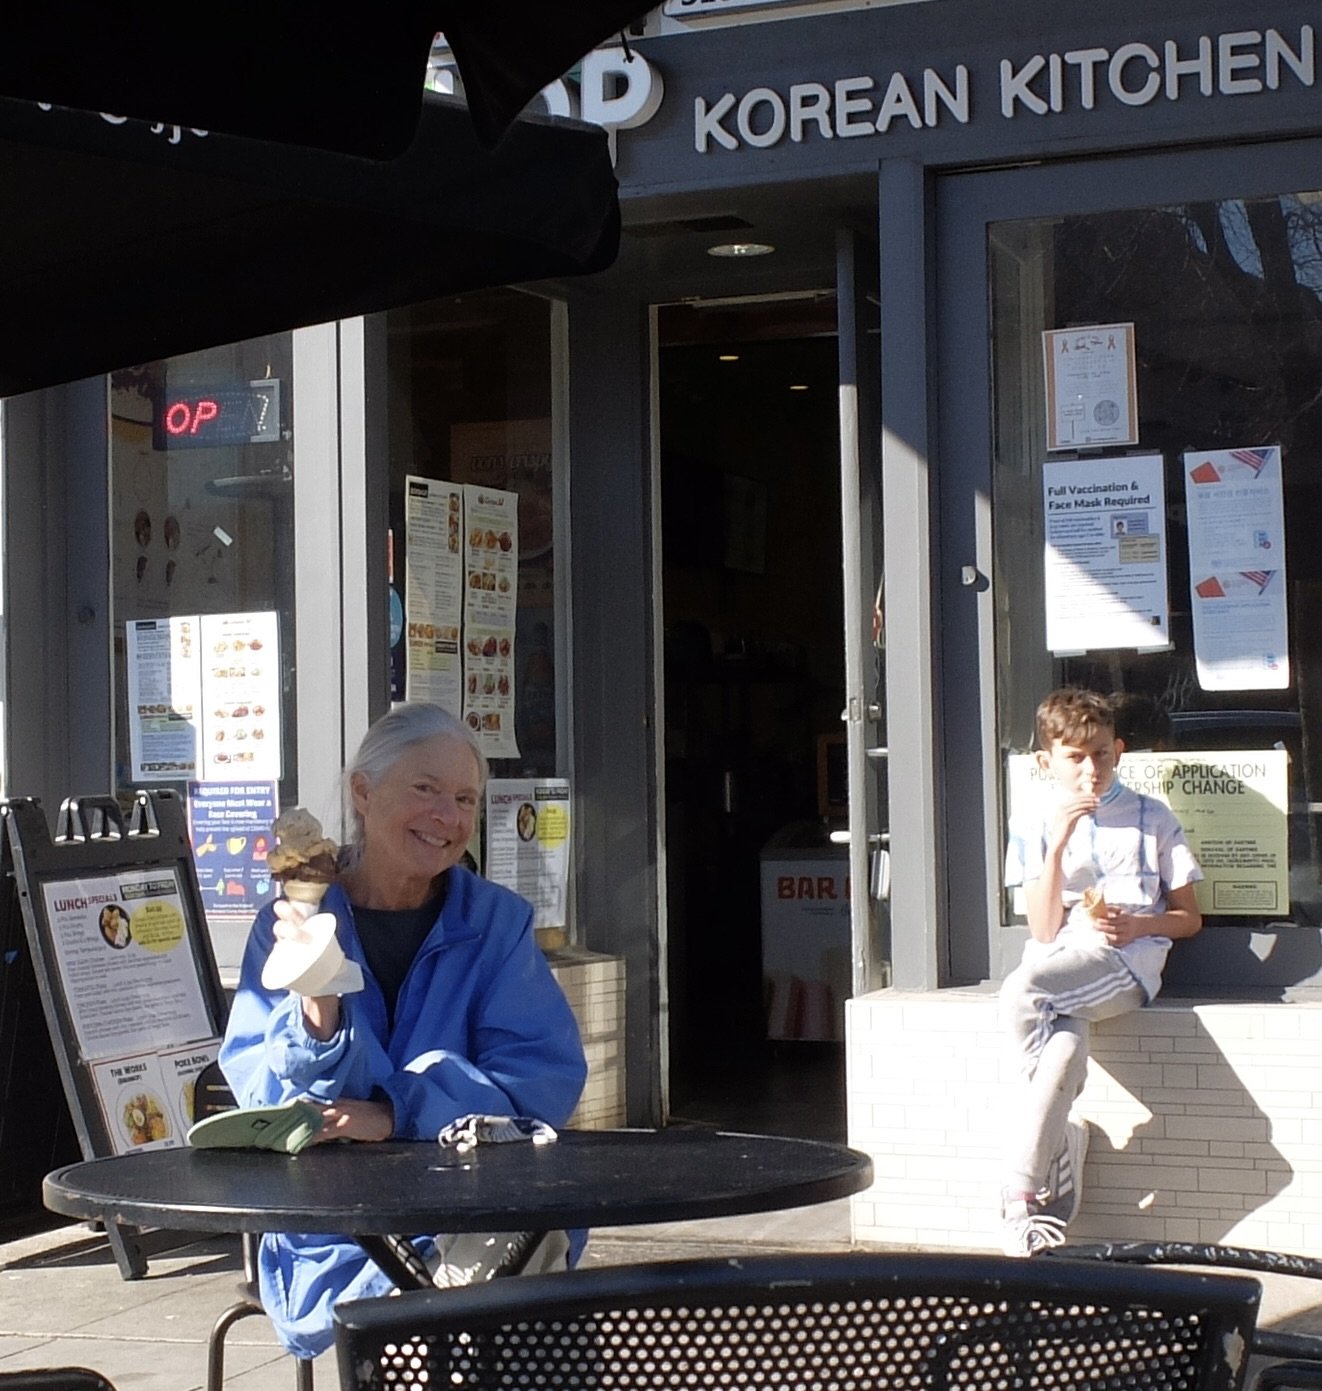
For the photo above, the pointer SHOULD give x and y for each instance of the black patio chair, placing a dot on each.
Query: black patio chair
(55, 1379)
(1301, 1353)
(828, 1322)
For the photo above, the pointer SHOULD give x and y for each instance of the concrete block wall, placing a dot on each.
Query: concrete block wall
(1205, 1122)
(594, 987)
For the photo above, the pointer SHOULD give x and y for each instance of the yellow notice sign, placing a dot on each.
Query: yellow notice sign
(1233, 807)
(158, 926)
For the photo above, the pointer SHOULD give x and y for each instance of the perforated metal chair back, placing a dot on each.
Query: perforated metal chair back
(819, 1322)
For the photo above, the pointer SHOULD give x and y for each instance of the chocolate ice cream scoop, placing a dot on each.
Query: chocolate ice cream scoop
(302, 852)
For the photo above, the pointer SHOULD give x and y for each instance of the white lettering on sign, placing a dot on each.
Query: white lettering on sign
(810, 101)
(1136, 74)
(615, 90)
(845, 110)
(618, 92)
(771, 120)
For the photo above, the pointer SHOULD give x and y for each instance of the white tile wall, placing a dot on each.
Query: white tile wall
(594, 987)
(1206, 1123)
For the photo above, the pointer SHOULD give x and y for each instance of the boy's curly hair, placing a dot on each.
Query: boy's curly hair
(1073, 716)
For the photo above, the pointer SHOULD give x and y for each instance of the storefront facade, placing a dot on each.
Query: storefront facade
(760, 489)
(1047, 173)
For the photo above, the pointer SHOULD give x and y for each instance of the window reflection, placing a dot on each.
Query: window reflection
(1226, 300)
(471, 409)
(202, 543)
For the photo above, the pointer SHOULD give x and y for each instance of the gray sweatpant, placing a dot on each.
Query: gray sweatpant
(1046, 1004)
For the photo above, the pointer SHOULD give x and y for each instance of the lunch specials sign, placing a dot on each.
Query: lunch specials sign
(136, 1004)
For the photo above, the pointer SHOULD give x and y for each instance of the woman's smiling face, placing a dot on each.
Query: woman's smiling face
(418, 818)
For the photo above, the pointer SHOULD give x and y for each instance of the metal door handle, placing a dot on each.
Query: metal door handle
(844, 837)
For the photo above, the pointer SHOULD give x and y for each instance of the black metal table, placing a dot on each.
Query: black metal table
(370, 1191)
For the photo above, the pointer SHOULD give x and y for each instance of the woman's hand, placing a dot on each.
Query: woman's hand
(357, 1120)
(321, 1013)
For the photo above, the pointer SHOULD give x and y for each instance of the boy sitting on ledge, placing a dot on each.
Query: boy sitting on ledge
(1109, 881)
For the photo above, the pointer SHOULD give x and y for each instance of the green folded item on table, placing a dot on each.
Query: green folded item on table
(287, 1128)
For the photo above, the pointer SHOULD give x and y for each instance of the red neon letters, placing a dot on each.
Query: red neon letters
(188, 417)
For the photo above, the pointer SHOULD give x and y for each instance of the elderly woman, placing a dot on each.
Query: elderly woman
(459, 1012)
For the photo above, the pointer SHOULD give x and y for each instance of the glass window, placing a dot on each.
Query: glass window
(473, 600)
(1226, 302)
(202, 538)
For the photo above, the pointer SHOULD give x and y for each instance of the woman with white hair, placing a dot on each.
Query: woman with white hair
(458, 1014)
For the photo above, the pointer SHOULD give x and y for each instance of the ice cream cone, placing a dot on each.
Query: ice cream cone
(312, 962)
(307, 893)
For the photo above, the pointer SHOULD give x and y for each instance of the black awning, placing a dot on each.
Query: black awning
(332, 77)
(121, 243)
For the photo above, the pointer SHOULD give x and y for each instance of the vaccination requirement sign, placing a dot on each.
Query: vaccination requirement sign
(1105, 530)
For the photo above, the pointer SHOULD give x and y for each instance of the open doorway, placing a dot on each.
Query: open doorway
(757, 908)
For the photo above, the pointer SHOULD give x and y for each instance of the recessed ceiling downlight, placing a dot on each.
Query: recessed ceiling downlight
(740, 248)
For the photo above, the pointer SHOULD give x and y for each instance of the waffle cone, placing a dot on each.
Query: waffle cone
(309, 891)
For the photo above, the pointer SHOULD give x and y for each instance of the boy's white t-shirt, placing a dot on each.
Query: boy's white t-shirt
(1132, 848)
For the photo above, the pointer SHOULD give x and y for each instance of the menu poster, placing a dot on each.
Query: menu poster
(515, 455)
(434, 591)
(491, 567)
(527, 821)
(240, 696)
(1105, 530)
(126, 963)
(229, 825)
(1237, 572)
(1092, 398)
(1232, 805)
(204, 697)
(164, 697)
(148, 1098)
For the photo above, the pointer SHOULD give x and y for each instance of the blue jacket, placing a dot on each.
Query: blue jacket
(480, 1026)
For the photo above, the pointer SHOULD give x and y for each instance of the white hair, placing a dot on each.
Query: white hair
(388, 740)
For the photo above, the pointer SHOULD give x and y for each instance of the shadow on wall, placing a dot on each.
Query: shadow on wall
(1245, 962)
(1180, 1148)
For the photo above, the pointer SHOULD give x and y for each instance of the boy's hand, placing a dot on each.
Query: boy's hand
(1068, 815)
(1120, 928)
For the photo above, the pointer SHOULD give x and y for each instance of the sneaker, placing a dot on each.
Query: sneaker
(1026, 1228)
(1064, 1191)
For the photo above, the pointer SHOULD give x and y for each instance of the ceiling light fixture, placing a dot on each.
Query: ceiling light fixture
(728, 357)
(798, 386)
(740, 248)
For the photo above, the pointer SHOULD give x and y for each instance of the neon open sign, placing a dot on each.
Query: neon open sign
(221, 414)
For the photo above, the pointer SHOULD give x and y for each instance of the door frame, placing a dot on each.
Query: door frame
(863, 560)
(966, 205)
(858, 383)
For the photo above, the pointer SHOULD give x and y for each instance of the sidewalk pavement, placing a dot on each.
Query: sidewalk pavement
(63, 1303)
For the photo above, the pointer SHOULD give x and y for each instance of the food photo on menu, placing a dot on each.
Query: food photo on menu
(143, 1118)
(113, 921)
(148, 1099)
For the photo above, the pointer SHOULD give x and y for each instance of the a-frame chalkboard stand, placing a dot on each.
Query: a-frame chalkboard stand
(95, 838)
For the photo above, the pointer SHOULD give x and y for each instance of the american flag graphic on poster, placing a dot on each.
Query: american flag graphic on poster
(1237, 568)
(1253, 459)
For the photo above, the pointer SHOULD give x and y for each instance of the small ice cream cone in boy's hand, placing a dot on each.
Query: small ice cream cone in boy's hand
(1095, 905)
